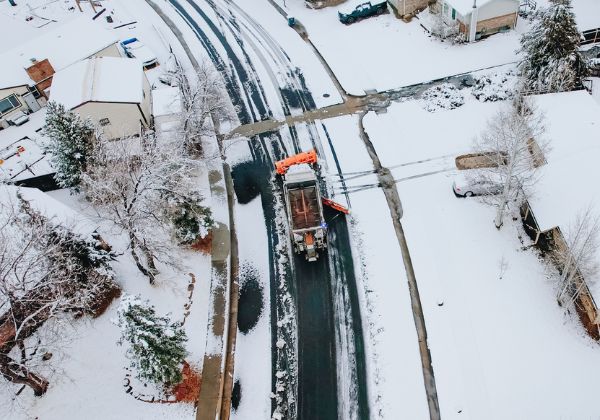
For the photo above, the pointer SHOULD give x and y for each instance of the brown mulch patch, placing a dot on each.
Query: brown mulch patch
(104, 300)
(204, 245)
(189, 389)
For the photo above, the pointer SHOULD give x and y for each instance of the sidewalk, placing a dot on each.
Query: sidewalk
(215, 392)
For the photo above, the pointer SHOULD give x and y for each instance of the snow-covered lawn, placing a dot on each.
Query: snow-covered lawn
(498, 339)
(91, 367)
(384, 52)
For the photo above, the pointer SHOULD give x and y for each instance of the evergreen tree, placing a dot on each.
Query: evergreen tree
(70, 143)
(156, 345)
(552, 61)
(191, 221)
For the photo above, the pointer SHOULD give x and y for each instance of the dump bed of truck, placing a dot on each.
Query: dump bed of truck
(304, 206)
(303, 198)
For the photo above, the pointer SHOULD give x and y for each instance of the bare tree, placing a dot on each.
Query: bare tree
(512, 149)
(46, 270)
(136, 184)
(577, 259)
(440, 26)
(204, 105)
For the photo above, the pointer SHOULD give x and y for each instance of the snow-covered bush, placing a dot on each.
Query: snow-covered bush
(494, 87)
(551, 59)
(191, 221)
(155, 345)
(70, 143)
(442, 96)
(433, 20)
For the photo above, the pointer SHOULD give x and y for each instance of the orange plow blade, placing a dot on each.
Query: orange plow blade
(282, 166)
(334, 205)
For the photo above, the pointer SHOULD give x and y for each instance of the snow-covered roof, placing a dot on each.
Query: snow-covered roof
(66, 44)
(99, 79)
(165, 101)
(49, 207)
(568, 182)
(464, 7)
(16, 27)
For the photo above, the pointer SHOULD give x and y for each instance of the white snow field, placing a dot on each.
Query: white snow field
(498, 339)
(91, 368)
(384, 52)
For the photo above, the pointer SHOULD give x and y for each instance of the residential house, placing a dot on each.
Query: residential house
(568, 181)
(113, 92)
(28, 68)
(477, 18)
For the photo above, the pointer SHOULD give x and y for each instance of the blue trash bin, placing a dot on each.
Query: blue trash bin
(291, 21)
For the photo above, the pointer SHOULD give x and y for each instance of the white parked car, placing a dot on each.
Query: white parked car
(134, 48)
(17, 118)
(467, 187)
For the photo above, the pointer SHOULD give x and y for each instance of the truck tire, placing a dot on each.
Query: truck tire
(380, 11)
(350, 20)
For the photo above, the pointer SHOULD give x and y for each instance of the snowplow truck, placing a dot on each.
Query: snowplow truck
(303, 203)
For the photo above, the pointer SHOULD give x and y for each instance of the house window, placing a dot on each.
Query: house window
(453, 14)
(9, 103)
(104, 122)
(34, 90)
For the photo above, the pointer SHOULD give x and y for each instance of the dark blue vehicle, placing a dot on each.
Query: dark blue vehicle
(362, 11)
